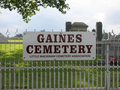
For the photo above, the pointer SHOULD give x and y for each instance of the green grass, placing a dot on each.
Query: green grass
(11, 55)
(15, 40)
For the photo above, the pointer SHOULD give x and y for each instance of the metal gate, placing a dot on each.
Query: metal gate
(103, 73)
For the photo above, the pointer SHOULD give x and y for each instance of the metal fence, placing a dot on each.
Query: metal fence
(103, 73)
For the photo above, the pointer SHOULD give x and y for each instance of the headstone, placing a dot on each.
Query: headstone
(76, 26)
(99, 38)
(93, 30)
(110, 37)
(79, 26)
(99, 31)
(117, 37)
(3, 38)
(68, 26)
(42, 31)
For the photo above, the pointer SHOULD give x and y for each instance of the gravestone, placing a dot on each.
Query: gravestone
(68, 26)
(114, 49)
(117, 37)
(99, 38)
(110, 37)
(99, 31)
(76, 26)
(3, 38)
(100, 48)
(93, 30)
(79, 26)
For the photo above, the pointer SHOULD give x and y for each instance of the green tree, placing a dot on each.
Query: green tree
(28, 8)
(19, 35)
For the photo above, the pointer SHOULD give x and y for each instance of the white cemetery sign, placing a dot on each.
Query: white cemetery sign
(59, 45)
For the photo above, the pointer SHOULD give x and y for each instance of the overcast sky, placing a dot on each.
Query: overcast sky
(87, 11)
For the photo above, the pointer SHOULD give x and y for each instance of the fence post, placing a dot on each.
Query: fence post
(0, 80)
(0, 70)
(107, 68)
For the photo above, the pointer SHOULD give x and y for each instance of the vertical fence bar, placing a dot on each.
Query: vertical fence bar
(71, 75)
(45, 76)
(14, 77)
(63, 75)
(80, 76)
(14, 68)
(9, 79)
(84, 75)
(27, 75)
(36, 75)
(101, 74)
(97, 78)
(97, 62)
(10, 69)
(107, 67)
(88, 75)
(49, 75)
(32, 77)
(5, 68)
(19, 65)
(7, 33)
(0, 78)
(114, 57)
(54, 75)
(113, 75)
(67, 75)
(118, 68)
(75, 74)
(92, 75)
(41, 76)
(117, 76)
(23, 76)
(19, 68)
(5, 80)
(19, 77)
(58, 75)
(0, 67)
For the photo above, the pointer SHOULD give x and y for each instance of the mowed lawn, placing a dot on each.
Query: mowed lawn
(61, 76)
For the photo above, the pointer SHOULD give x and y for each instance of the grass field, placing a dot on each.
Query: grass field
(11, 56)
